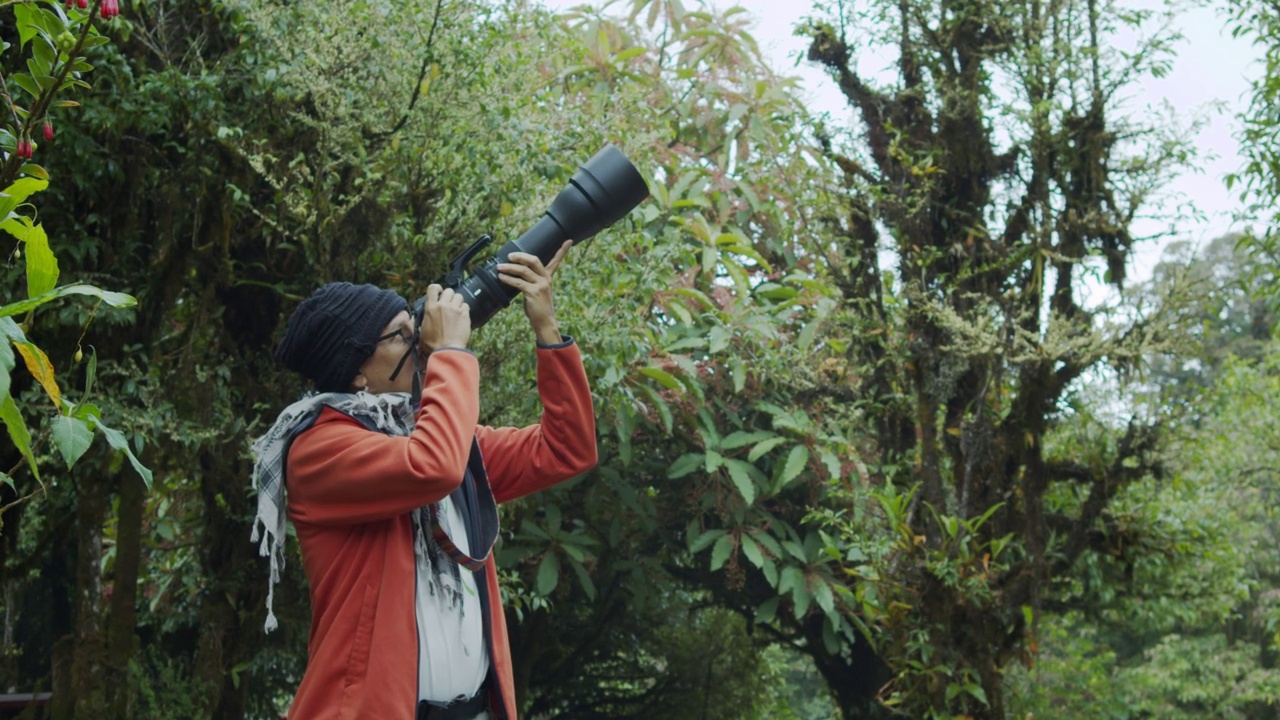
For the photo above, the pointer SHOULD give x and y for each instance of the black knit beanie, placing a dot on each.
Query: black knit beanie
(331, 333)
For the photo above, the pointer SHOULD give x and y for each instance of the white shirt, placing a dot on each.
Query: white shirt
(452, 657)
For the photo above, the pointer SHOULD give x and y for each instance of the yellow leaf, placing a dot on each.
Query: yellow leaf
(40, 367)
(953, 431)
(1031, 439)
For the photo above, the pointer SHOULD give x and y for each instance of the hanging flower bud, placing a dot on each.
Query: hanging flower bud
(110, 9)
(24, 149)
(82, 4)
(48, 132)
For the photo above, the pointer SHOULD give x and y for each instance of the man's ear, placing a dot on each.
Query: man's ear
(359, 382)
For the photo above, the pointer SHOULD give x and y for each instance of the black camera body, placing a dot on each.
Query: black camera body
(599, 194)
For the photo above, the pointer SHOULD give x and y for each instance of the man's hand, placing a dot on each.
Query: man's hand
(526, 273)
(446, 320)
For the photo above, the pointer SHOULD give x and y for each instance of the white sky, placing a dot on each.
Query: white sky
(1210, 69)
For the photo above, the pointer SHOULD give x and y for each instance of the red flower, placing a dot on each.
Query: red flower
(48, 132)
(82, 4)
(24, 149)
(110, 9)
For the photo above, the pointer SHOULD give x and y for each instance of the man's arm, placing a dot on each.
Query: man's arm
(338, 472)
(563, 444)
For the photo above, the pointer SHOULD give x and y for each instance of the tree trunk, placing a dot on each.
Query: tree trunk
(87, 682)
(121, 639)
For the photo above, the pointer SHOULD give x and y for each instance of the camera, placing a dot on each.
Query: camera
(599, 194)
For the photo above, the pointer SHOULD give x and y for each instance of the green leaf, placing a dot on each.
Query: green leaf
(770, 571)
(664, 378)
(807, 334)
(830, 461)
(548, 573)
(720, 553)
(573, 551)
(759, 450)
(790, 578)
(18, 432)
(10, 330)
(703, 541)
(664, 411)
(114, 299)
(629, 53)
(28, 83)
(72, 437)
(741, 438)
(43, 54)
(768, 610)
(719, 338)
(42, 266)
(18, 192)
(7, 363)
(769, 543)
(796, 461)
(584, 579)
(86, 411)
(28, 17)
(117, 440)
(774, 291)
(752, 551)
(800, 593)
(825, 599)
(740, 473)
(739, 370)
(713, 460)
(685, 465)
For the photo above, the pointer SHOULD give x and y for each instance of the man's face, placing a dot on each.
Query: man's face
(375, 374)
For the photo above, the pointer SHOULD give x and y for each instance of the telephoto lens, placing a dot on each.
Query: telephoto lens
(599, 194)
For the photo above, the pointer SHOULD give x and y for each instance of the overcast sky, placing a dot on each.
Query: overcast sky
(1211, 68)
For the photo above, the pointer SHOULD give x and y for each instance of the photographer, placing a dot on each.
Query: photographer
(393, 496)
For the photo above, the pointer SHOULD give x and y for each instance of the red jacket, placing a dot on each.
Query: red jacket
(350, 494)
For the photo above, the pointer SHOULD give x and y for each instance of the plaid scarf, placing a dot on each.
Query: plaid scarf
(390, 413)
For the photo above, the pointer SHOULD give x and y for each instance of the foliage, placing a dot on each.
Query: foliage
(1259, 180)
(51, 41)
(1188, 630)
(1222, 318)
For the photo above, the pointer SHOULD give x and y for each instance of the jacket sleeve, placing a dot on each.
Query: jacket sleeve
(339, 472)
(563, 444)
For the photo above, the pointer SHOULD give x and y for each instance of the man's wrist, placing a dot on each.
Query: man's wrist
(547, 334)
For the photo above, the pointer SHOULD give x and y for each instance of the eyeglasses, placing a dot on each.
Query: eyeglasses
(408, 340)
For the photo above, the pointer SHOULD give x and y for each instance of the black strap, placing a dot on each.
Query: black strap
(456, 710)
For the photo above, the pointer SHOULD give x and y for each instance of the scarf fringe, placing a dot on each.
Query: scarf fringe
(390, 413)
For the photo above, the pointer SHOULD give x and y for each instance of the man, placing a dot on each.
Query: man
(392, 496)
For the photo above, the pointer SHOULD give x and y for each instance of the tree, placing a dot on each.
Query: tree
(999, 172)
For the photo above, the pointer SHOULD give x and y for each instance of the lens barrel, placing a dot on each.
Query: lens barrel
(599, 194)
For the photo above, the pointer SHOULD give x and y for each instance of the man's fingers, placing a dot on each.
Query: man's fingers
(433, 292)
(555, 261)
